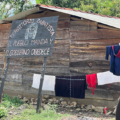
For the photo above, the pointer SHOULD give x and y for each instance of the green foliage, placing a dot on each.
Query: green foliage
(104, 7)
(8, 101)
(3, 112)
(16, 6)
(30, 114)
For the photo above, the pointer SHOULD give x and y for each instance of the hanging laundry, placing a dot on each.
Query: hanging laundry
(48, 83)
(114, 52)
(73, 86)
(107, 78)
(91, 81)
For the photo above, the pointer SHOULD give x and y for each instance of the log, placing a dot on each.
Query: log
(97, 55)
(103, 42)
(48, 13)
(50, 63)
(102, 26)
(100, 34)
(74, 18)
(29, 71)
(3, 43)
(63, 24)
(62, 34)
(4, 34)
(78, 72)
(90, 64)
(83, 26)
(5, 26)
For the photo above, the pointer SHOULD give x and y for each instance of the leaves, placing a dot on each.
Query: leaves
(104, 7)
(8, 7)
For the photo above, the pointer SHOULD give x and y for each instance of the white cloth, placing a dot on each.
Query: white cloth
(48, 83)
(107, 78)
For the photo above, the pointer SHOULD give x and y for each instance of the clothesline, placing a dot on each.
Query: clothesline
(69, 78)
(75, 86)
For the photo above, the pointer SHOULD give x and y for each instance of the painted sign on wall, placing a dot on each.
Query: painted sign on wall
(32, 37)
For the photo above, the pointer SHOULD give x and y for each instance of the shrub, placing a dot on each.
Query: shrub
(3, 112)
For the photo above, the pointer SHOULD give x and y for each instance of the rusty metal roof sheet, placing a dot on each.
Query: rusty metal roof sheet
(107, 20)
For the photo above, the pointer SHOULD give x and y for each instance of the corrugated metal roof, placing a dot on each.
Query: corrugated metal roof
(20, 15)
(108, 20)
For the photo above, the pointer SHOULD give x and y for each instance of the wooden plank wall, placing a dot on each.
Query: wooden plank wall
(79, 49)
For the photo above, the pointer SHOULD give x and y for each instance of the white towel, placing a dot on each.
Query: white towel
(48, 83)
(107, 78)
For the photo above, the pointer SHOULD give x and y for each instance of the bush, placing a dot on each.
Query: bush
(8, 101)
(3, 112)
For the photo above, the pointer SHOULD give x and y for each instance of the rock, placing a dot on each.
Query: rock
(32, 100)
(12, 107)
(115, 106)
(43, 100)
(10, 112)
(46, 96)
(68, 106)
(22, 107)
(90, 107)
(118, 98)
(80, 113)
(64, 103)
(54, 99)
(82, 106)
(69, 103)
(109, 113)
(71, 110)
(61, 99)
(19, 96)
(45, 107)
(50, 101)
(78, 109)
(74, 104)
(34, 103)
(25, 99)
(15, 113)
(42, 104)
(114, 112)
(56, 102)
(99, 109)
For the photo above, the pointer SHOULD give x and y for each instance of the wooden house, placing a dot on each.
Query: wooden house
(79, 49)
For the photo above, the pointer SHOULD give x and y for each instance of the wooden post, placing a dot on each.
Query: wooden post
(118, 111)
(40, 86)
(3, 78)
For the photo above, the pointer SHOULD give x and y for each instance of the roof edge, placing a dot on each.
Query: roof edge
(20, 15)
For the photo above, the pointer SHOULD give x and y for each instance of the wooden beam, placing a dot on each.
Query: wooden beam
(83, 26)
(107, 27)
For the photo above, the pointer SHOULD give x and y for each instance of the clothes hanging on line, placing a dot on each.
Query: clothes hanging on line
(107, 78)
(91, 81)
(114, 52)
(73, 86)
(48, 83)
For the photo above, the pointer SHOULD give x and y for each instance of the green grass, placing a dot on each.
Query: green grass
(30, 114)
(8, 102)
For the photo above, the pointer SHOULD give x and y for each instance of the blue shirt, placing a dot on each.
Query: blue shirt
(114, 61)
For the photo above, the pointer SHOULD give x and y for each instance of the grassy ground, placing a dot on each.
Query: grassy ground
(29, 113)
(16, 109)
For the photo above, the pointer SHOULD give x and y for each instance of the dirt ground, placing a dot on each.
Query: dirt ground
(84, 115)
